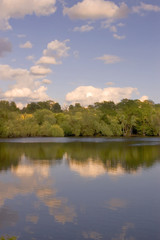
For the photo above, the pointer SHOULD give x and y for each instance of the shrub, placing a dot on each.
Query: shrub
(57, 131)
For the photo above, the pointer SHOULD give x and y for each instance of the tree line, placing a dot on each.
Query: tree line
(47, 119)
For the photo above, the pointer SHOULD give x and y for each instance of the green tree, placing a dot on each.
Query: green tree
(56, 108)
(44, 115)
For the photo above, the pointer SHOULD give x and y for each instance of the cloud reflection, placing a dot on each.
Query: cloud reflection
(92, 235)
(88, 168)
(91, 168)
(36, 178)
(116, 203)
(32, 218)
(8, 217)
(123, 234)
(28, 171)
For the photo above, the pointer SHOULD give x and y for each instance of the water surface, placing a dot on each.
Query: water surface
(80, 188)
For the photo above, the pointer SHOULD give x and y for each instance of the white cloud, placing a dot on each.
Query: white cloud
(96, 9)
(143, 98)
(46, 81)
(84, 28)
(119, 37)
(18, 93)
(5, 46)
(20, 8)
(39, 70)
(27, 86)
(54, 52)
(20, 105)
(57, 49)
(145, 7)
(86, 95)
(47, 60)
(109, 59)
(27, 44)
(9, 73)
(25, 95)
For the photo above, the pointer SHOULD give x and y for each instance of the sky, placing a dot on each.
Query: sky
(83, 51)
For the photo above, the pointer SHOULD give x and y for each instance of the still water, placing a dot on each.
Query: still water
(80, 188)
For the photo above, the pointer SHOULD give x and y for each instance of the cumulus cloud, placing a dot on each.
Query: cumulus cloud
(27, 86)
(143, 98)
(39, 70)
(54, 52)
(86, 95)
(48, 60)
(119, 37)
(96, 9)
(22, 96)
(84, 28)
(9, 73)
(27, 44)
(20, 8)
(109, 59)
(57, 49)
(18, 92)
(5, 46)
(145, 7)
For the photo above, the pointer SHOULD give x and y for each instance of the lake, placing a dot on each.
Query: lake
(80, 188)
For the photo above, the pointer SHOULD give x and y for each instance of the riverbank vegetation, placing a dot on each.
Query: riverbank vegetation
(8, 238)
(47, 119)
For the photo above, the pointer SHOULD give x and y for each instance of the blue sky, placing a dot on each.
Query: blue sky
(79, 51)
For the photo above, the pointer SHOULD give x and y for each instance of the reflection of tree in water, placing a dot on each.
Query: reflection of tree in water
(10, 155)
(112, 156)
(44, 151)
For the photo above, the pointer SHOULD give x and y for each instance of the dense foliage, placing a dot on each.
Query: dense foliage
(8, 238)
(127, 118)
